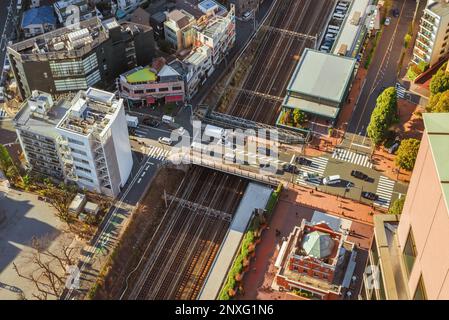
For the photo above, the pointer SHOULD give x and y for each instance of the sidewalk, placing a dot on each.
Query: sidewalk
(335, 205)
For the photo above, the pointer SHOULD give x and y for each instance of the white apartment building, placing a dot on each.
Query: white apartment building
(94, 142)
(84, 140)
(35, 125)
(433, 37)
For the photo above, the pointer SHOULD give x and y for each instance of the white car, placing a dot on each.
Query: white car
(181, 131)
(165, 140)
(247, 15)
(387, 21)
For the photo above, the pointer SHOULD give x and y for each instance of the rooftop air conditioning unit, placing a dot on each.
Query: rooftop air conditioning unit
(59, 46)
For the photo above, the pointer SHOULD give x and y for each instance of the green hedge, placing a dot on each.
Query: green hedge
(248, 239)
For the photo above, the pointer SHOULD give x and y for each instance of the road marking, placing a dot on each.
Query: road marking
(158, 153)
(352, 157)
(384, 190)
(293, 159)
(318, 166)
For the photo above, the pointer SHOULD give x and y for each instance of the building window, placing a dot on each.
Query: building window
(70, 84)
(78, 151)
(420, 292)
(83, 169)
(151, 90)
(409, 252)
(76, 141)
(138, 91)
(163, 89)
(177, 88)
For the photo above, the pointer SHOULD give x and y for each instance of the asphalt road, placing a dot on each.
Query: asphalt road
(384, 67)
(8, 16)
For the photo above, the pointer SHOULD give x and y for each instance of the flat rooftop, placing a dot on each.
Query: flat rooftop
(385, 229)
(197, 56)
(141, 74)
(440, 8)
(70, 43)
(44, 125)
(217, 26)
(350, 32)
(437, 129)
(91, 111)
(322, 75)
(310, 107)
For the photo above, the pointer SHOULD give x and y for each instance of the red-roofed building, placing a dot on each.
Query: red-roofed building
(316, 260)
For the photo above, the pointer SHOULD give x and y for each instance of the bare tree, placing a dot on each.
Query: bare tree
(50, 273)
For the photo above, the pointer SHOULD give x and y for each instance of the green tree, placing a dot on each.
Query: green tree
(383, 116)
(397, 206)
(440, 80)
(5, 158)
(439, 102)
(407, 39)
(407, 153)
(298, 117)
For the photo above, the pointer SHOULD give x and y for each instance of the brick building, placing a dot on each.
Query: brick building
(316, 260)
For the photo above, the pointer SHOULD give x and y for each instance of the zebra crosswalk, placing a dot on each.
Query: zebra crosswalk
(352, 157)
(157, 153)
(3, 113)
(400, 91)
(384, 191)
(318, 167)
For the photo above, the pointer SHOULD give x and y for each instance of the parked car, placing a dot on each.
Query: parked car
(290, 168)
(311, 177)
(165, 140)
(370, 195)
(247, 15)
(387, 21)
(151, 122)
(181, 130)
(394, 147)
(395, 12)
(303, 161)
(359, 175)
(332, 180)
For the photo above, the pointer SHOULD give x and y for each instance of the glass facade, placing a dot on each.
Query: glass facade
(409, 253)
(420, 292)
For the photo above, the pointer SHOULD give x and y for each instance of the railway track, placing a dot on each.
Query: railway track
(186, 244)
(278, 55)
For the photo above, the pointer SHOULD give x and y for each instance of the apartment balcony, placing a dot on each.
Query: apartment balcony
(61, 141)
(420, 55)
(424, 41)
(429, 19)
(429, 27)
(422, 48)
